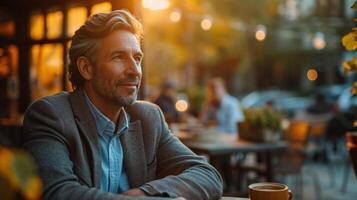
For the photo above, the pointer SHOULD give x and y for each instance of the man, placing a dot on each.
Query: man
(221, 109)
(98, 142)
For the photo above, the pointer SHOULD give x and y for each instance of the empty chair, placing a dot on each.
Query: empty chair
(291, 161)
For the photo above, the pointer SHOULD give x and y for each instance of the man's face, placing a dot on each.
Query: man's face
(215, 92)
(117, 71)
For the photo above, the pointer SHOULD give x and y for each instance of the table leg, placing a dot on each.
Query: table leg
(223, 165)
(269, 168)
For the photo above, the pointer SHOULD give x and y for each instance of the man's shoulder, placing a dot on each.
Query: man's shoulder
(140, 106)
(228, 99)
(142, 110)
(59, 100)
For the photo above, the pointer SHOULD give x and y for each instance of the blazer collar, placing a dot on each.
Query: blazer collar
(86, 123)
(134, 154)
(131, 141)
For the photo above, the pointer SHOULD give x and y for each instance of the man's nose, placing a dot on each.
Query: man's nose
(134, 68)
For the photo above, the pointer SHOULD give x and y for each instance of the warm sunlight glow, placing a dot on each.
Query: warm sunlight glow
(312, 74)
(206, 23)
(156, 4)
(104, 7)
(54, 24)
(175, 16)
(46, 69)
(7, 28)
(181, 105)
(37, 26)
(76, 17)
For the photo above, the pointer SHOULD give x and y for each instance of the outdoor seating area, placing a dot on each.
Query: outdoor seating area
(178, 99)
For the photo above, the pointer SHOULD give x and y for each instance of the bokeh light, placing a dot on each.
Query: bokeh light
(175, 16)
(156, 4)
(206, 23)
(312, 74)
(181, 105)
(260, 34)
(319, 41)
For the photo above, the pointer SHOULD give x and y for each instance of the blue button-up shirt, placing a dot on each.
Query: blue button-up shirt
(114, 178)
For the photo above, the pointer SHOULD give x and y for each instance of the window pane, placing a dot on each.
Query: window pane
(7, 23)
(7, 28)
(76, 17)
(46, 69)
(104, 7)
(37, 26)
(54, 24)
(68, 83)
(8, 84)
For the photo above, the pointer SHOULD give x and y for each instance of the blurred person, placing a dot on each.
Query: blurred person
(99, 142)
(166, 101)
(223, 112)
(221, 109)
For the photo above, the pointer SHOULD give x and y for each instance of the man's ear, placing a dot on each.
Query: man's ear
(85, 68)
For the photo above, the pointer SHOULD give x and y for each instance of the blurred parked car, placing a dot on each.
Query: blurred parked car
(285, 101)
(332, 92)
(347, 101)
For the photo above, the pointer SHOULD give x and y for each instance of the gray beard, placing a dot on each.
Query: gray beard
(125, 101)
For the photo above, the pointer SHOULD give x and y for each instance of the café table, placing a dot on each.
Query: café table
(221, 144)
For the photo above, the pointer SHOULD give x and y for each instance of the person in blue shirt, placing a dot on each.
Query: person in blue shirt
(221, 110)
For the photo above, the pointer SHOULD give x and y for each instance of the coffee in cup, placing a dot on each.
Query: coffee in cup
(269, 191)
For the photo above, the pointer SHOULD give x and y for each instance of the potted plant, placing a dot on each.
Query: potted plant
(261, 124)
(349, 41)
(18, 176)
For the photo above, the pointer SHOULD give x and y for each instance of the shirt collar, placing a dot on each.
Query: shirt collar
(104, 124)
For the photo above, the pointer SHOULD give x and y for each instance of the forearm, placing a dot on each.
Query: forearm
(199, 182)
(182, 173)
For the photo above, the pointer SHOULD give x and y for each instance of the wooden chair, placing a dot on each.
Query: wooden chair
(291, 162)
(351, 141)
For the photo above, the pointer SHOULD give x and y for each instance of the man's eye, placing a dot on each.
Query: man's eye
(118, 57)
(137, 59)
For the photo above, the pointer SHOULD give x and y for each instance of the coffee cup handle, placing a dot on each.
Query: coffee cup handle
(290, 195)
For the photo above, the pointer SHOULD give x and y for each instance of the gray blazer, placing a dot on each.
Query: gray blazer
(60, 132)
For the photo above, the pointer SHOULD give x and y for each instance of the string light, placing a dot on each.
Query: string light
(260, 34)
(312, 74)
(319, 41)
(181, 105)
(156, 4)
(175, 16)
(206, 23)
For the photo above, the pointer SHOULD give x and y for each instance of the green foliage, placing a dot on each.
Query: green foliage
(18, 176)
(264, 118)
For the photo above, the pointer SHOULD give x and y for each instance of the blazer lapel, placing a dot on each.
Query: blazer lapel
(86, 123)
(134, 154)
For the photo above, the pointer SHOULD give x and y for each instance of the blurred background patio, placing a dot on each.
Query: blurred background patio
(284, 53)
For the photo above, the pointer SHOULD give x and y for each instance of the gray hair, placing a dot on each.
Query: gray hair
(85, 39)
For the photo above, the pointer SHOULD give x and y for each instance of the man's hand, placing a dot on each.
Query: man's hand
(138, 192)
(134, 192)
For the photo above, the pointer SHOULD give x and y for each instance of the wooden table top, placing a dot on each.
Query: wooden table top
(218, 144)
